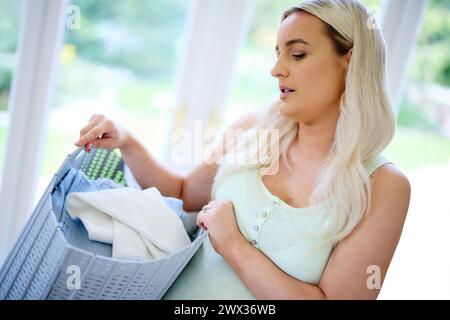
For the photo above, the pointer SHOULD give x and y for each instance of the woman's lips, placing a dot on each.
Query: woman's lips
(284, 95)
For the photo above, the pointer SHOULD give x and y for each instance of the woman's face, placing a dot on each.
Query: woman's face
(308, 63)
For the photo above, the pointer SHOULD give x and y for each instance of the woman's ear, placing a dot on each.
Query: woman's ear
(348, 55)
(346, 62)
(347, 58)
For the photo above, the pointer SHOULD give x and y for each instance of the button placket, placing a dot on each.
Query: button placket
(261, 218)
(255, 231)
(259, 221)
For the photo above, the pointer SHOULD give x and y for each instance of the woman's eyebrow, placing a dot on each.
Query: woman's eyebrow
(291, 42)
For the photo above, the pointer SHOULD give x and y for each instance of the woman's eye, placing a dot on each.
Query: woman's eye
(299, 56)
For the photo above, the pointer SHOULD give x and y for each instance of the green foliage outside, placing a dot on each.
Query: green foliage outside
(131, 34)
(129, 41)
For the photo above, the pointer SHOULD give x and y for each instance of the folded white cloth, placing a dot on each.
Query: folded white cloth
(137, 223)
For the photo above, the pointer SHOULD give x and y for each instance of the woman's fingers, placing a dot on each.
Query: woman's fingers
(202, 215)
(100, 132)
(94, 120)
(88, 147)
(104, 143)
(88, 128)
(89, 137)
(200, 220)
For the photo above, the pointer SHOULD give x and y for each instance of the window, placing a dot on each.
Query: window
(9, 29)
(118, 61)
(421, 149)
(423, 134)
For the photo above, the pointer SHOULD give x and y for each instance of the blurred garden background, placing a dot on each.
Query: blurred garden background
(122, 61)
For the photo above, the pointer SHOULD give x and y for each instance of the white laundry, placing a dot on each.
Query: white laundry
(137, 223)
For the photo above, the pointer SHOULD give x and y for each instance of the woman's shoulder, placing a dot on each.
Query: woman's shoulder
(383, 171)
(375, 163)
(257, 117)
(390, 189)
(390, 173)
(245, 121)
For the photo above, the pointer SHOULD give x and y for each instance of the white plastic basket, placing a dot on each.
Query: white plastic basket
(53, 249)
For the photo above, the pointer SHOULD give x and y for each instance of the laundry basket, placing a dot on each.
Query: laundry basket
(54, 259)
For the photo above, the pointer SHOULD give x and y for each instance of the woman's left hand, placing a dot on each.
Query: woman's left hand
(220, 220)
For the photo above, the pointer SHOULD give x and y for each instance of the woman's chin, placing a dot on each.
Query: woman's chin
(287, 109)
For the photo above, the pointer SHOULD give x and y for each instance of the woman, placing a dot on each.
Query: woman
(326, 223)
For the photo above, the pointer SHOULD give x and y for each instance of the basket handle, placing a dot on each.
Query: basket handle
(68, 163)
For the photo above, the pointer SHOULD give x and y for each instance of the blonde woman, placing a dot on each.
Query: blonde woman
(325, 224)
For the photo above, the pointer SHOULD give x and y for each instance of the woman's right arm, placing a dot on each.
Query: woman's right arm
(194, 188)
(148, 171)
(102, 132)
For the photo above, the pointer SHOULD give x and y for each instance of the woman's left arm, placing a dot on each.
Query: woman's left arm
(357, 266)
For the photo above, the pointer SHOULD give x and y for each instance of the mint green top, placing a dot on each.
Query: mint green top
(282, 232)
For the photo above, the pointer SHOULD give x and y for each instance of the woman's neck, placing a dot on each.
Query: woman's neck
(314, 141)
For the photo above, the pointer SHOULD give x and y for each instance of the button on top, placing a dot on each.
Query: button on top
(256, 228)
(254, 242)
(264, 214)
(274, 202)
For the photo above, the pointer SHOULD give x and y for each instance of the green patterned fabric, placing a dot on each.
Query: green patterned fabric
(102, 163)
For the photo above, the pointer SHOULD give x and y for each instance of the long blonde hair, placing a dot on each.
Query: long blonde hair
(365, 126)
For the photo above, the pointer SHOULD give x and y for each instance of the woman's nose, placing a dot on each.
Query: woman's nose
(278, 70)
